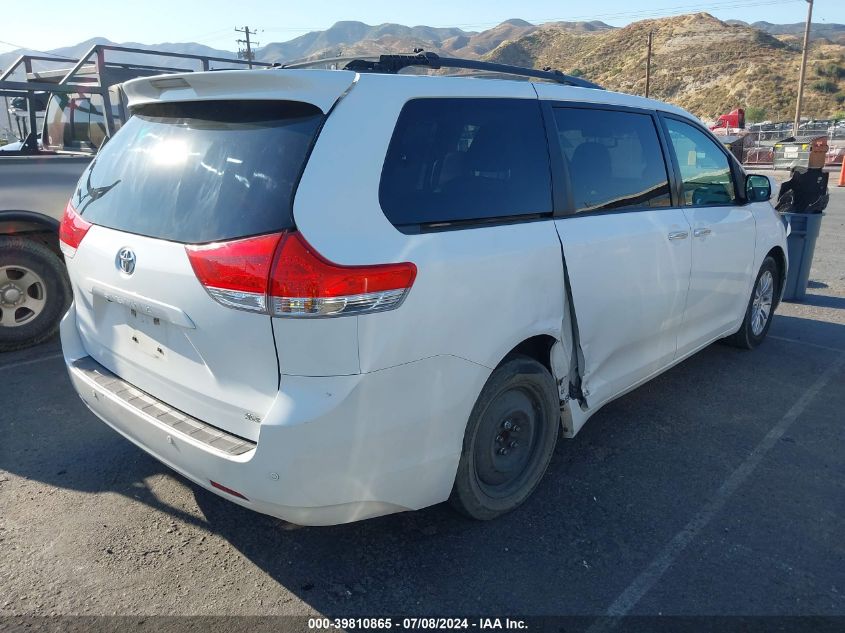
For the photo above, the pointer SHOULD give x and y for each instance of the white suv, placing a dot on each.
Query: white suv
(331, 295)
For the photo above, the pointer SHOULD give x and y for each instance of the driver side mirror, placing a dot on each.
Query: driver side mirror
(758, 188)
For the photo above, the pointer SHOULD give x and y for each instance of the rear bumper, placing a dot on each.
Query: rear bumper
(330, 450)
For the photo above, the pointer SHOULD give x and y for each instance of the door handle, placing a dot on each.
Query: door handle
(678, 235)
(701, 232)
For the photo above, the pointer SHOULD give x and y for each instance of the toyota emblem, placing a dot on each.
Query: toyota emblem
(126, 260)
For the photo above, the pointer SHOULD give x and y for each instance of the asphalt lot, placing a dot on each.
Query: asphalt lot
(718, 488)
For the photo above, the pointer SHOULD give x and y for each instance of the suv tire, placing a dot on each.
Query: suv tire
(509, 440)
(761, 307)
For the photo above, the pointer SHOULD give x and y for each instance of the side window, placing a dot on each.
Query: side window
(58, 122)
(81, 116)
(466, 159)
(74, 122)
(705, 170)
(614, 159)
(96, 122)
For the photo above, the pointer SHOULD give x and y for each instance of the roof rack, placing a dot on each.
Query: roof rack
(392, 64)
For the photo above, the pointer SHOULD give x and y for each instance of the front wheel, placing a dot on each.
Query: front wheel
(509, 440)
(34, 293)
(758, 315)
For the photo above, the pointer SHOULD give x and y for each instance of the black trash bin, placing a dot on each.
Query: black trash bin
(801, 243)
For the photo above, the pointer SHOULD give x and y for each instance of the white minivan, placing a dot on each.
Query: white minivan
(328, 295)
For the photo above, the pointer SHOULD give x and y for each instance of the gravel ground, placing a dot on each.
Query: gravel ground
(718, 488)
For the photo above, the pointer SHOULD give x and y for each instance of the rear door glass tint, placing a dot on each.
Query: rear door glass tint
(198, 172)
(454, 160)
(614, 159)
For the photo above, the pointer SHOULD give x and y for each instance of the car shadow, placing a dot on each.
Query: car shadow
(580, 530)
(612, 497)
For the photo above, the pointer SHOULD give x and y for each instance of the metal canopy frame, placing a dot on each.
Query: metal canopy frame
(392, 64)
(92, 76)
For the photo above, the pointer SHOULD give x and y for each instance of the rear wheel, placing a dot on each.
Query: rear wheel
(758, 315)
(509, 440)
(34, 293)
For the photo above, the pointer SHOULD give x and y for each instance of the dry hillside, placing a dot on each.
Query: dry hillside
(699, 62)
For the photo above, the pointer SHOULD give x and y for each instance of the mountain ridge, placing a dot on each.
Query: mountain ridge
(701, 63)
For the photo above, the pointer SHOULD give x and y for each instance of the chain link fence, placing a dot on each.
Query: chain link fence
(773, 144)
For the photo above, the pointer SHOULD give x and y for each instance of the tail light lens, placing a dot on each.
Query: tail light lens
(71, 231)
(304, 283)
(282, 275)
(235, 273)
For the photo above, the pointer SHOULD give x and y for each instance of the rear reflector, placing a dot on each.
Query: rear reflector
(234, 493)
(71, 231)
(283, 275)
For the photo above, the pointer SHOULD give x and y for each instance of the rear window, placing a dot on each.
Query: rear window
(454, 160)
(201, 171)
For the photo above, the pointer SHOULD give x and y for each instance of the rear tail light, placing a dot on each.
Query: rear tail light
(236, 273)
(282, 275)
(71, 231)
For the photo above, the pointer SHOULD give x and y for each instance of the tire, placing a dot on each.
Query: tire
(519, 403)
(751, 333)
(34, 293)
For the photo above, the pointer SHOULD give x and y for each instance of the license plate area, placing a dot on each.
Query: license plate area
(134, 333)
(147, 333)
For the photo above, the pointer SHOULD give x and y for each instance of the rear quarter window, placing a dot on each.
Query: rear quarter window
(614, 158)
(459, 160)
(198, 172)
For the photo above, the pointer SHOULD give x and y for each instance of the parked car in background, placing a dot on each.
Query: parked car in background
(332, 295)
(61, 131)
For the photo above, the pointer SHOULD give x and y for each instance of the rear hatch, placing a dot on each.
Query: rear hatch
(179, 180)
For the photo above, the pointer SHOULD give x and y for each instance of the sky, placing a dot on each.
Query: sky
(48, 24)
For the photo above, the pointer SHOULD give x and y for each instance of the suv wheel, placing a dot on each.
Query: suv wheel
(509, 440)
(758, 315)
(34, 293)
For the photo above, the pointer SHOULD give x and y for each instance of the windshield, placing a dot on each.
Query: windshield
(197, 172)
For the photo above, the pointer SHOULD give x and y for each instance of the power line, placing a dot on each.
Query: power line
(35, 50)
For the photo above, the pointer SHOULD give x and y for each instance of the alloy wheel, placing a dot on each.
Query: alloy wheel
(22, 296)
(761, 308)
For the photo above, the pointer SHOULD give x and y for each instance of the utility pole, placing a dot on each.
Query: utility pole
(247, 54)
(803, 68)
(648, 66)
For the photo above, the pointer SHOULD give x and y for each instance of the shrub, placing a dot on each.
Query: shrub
(753, 115)
(832, 70)
(826, 86)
